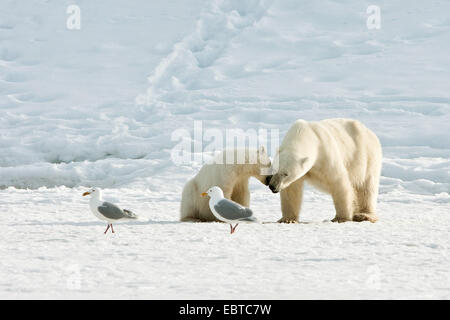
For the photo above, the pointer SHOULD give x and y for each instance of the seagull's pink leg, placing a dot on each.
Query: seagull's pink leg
(106, 229)
(231, 229)
(112, 229)
(234, 228)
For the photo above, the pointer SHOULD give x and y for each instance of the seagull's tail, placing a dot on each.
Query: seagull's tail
(129, 214)
(249, 219)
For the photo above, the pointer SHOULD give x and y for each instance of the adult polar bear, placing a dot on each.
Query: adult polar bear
(339, 156)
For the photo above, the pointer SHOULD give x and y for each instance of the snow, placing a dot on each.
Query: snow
(56, 248)
(97, 107)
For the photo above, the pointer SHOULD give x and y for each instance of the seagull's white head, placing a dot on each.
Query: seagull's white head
(213, 192)
(95, 192)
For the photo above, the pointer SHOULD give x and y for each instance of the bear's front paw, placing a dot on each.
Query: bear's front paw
(340, 220)
(359, 217)
(287, 220)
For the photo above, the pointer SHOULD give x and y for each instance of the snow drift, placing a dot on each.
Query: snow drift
(69, 117)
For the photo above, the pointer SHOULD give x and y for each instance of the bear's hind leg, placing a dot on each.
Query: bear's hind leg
(367, 201)
(189, 211)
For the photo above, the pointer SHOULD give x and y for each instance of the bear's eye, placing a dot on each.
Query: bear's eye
(284, 174)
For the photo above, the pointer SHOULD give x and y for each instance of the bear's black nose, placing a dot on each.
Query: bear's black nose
(268, 180)
(274, 189)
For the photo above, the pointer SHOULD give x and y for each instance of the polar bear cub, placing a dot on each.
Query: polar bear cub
(339, 156)
(231, 176)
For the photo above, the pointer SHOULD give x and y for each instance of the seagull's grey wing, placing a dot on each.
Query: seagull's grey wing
(111, 211)
(231, 210)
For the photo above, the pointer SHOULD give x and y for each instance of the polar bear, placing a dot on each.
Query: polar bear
(338, 156)
(231, 176)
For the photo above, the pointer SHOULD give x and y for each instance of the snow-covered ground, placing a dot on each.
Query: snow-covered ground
(97, 107)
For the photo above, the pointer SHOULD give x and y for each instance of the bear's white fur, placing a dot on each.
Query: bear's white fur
(231, 176)
(339, 156)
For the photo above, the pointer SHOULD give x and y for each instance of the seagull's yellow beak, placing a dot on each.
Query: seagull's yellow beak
(204, 194)
(86, 193)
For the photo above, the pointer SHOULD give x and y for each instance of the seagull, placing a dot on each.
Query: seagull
(106, 211)
(227, 210)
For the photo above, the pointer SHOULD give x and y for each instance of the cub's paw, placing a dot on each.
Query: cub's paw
(191, 219)
(286, 220)
(359, 217)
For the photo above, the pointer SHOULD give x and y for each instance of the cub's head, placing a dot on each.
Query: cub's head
(264, 164)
